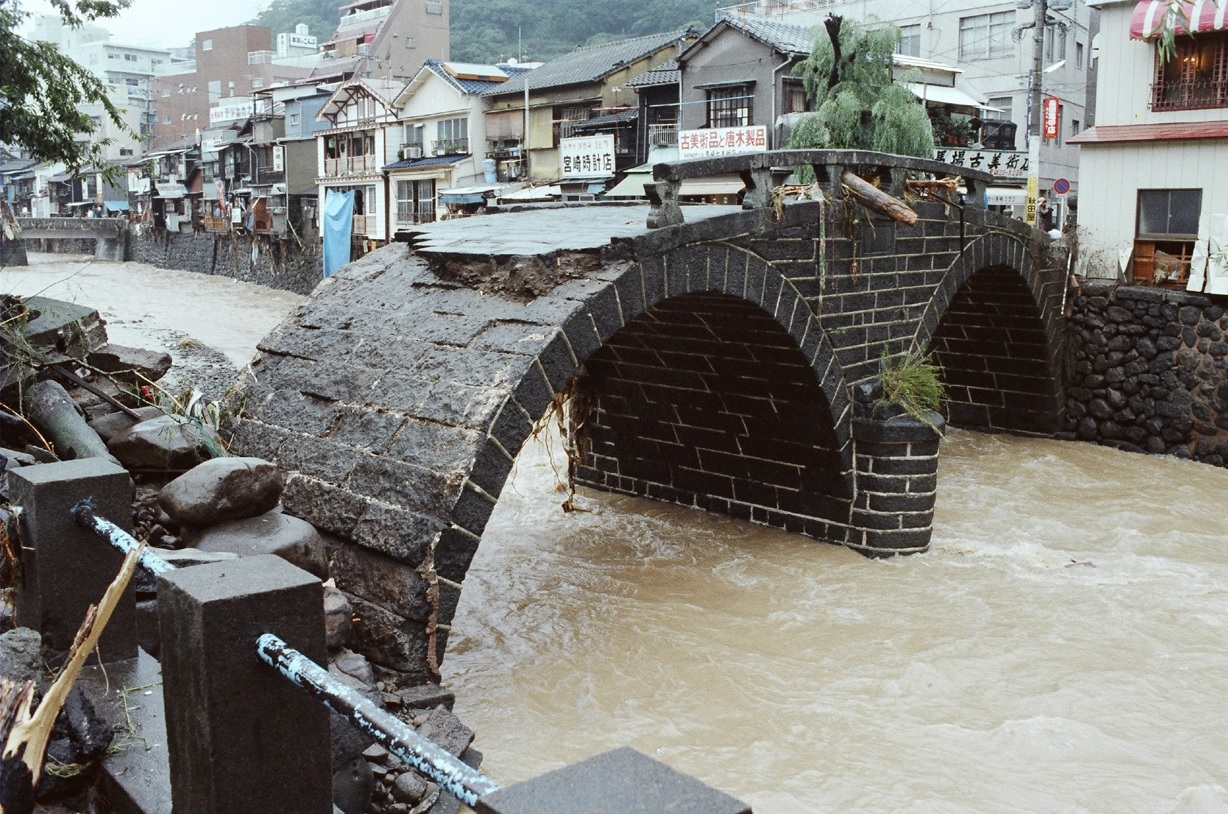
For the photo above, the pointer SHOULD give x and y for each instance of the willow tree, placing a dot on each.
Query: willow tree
(858, 104)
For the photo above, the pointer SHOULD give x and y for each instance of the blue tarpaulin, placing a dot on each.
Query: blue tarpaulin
(116, 206)
(338, 226)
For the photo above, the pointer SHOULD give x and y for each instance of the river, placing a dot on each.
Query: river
(1063, 647)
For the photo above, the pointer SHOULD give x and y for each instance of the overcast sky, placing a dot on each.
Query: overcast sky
(168, 23)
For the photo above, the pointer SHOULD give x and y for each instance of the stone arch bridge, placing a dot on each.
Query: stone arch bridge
(725, 359)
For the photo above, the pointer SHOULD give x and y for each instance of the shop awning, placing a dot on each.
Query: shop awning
(171, 192)
(945, 95)
(116, 206)
(1201, 16)
(632, 186)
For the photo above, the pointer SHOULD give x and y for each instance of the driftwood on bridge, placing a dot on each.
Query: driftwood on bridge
(874, 198)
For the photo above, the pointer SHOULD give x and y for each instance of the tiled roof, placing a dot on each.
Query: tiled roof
(459, 75)
(786, 38)
(587, 64)
(429, 161)
(666, 73)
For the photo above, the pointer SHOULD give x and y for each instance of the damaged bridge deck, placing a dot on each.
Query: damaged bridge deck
(727, 360)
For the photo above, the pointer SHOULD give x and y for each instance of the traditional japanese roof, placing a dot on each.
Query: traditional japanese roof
(619, 117)
(590, 63)
(429, 161)
(464, 77)
(666, 73)
(787, 38)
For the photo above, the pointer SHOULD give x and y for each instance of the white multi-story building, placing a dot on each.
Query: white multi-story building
(993, 44)
(1155, 167)
(127, 68)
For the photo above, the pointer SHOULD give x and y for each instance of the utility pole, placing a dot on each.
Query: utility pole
(1041, 9)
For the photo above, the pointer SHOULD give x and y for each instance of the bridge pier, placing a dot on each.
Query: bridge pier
(896, 459)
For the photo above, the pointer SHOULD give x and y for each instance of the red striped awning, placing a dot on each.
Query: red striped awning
(1198, 16)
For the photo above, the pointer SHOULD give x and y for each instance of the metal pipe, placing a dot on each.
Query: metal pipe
(454, 776)
(83, 513)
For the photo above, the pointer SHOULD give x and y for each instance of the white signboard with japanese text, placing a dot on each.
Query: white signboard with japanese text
(1001, 163)
(279, 158)
(234, 108)
(587, 156)
(718, 141)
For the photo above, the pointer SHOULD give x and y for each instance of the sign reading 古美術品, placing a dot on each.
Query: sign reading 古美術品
(1002, 163)
(587, 156)
(718, 141)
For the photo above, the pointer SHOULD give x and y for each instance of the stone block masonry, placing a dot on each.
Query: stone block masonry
(260, 259)
(714, 366)
(1148, 371)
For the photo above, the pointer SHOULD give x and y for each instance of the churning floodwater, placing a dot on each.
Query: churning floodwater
(1063, 647)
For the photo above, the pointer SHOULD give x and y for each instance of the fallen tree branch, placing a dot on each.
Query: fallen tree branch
(874, 198)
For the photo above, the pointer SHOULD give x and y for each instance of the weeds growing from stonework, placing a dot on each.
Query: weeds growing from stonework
(912, 381)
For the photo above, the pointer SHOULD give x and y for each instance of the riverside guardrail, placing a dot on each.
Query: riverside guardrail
(453, 776)
(239, 735)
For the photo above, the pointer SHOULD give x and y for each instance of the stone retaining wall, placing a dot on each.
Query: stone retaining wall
(1148, 371)
(257, 259)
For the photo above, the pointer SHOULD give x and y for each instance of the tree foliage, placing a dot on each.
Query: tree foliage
(320, 17)
(494, 30)
(857, 102)
(41, 88)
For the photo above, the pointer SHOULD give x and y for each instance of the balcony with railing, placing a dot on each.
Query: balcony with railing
(664, 134)
(364, 225)
(351, 165)
(451, 146)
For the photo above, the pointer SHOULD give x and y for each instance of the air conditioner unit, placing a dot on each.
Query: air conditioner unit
(411, 152)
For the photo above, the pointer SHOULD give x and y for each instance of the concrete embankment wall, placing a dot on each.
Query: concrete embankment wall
(1148, 371)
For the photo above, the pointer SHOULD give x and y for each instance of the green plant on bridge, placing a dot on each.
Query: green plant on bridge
(912, 382)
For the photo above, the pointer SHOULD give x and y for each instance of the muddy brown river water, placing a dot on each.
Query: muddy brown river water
(1062, 648)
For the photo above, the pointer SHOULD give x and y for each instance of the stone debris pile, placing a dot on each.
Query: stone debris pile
(68, 393)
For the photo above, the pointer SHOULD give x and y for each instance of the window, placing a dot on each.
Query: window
(1055, 43)
(1079, 55)
(257, 83)
(415, 202)
(296, 119)
(729, 107)
(566, 119)
(794, 96)
(1196, 76)
(452, 136)
(434, 6)
(910, 40)
(130, 57)
(207, 45)
(1165, 235)
(1005, 105)
(1075, 127)
(215, 90)
(986, 36)
(166, 92)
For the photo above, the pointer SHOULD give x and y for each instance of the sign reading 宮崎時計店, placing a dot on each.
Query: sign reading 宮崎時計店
(587, 156)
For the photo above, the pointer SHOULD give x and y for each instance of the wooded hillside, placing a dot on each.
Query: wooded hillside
(537, 30)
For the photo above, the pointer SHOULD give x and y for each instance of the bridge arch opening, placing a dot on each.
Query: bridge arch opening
(999, 363)
(706, 401)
